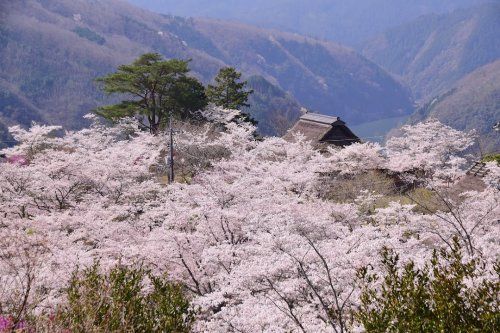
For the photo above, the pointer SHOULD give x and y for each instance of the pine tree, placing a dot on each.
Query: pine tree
(228, 92)
(157, 89)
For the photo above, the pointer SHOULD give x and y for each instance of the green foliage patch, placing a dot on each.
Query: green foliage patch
(492, 158)
(440, 297)
(228, 92)
(124, 300)
(90, 35)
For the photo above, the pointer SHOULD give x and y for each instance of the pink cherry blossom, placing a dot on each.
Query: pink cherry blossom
(249, 233)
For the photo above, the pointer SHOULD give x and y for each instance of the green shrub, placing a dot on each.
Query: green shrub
(436, 298)
(492, 158)
(124, 300)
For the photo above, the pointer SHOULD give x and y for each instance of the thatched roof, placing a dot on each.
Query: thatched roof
(321, 118)
(320, 128)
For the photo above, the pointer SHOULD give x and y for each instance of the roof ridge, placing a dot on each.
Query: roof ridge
(320, 118)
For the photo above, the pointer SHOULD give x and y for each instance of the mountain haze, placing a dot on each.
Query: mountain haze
(52, 50)
(348, 21)
(322, 76)
(474, 103)
(433, 52)
(451, 63)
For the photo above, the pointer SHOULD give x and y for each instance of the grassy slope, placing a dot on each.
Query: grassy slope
(51, 56)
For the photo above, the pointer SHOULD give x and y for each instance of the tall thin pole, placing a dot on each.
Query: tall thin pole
(171, 152)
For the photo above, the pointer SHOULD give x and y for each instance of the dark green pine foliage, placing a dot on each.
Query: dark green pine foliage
(229, 93)
(436, 298)
(156, 89)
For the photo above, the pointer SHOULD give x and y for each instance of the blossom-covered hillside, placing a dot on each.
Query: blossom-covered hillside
(256, 231)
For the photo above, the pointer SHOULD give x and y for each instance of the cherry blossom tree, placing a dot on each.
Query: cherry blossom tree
(431, 148)
(248, 233)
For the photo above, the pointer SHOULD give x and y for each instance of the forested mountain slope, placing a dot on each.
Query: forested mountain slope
(322, 76)
(349, 22)
(451, 62)
(15, 108)
(52, 50)
(271, 107)
(474, 103)
(434, 52)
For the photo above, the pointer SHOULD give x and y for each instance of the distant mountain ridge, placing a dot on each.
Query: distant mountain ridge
(473, 103)
(434, 52)
(322, 76)
(351, 22)
(52, 50)
(452, 64)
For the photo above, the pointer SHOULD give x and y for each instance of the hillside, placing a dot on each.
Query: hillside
(474, 103)
(433, 52)
(322, 76)
(15, 108)
(271, 107)
(52, 50)
(349, 22)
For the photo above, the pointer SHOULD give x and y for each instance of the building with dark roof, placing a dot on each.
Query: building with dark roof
(322, 129)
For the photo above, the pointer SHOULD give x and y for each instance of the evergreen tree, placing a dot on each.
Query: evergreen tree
(228, 92)
(157, 89)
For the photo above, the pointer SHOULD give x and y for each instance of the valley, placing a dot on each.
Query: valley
(54, 49)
